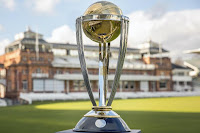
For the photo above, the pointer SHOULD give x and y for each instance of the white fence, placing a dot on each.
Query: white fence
(84, 96)
(2, 103)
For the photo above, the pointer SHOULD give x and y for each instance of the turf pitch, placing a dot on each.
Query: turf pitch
(151, 115)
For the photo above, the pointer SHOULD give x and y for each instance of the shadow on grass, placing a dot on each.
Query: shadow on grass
(28, 119)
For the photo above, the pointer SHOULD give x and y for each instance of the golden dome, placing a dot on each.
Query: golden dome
(103, 30)
(103, 7)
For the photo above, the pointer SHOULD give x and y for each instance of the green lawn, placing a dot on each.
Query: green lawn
(154, 115)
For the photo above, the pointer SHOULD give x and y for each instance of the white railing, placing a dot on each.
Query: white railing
(163, 77)
(181, 78)
(182, 88)
(68, 76)
(40, 75)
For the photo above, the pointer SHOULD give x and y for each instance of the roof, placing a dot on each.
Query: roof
(25, 40)
(153, 50)
(194, 62)
(73, 61)
(176, 66)
(88, 47)
(28, 37)
(196, 51)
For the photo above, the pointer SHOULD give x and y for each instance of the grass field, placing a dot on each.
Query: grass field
(154, 115)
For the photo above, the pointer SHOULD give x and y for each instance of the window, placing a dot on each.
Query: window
(24, 72)
(58, 71)
(9, 85)
(32, 58)
(68, 52)
(131, 83)
(189, 83)
(126, 85)
(78, 71)
(110, 84)
(24, 58)
(81, 85)
(163, 84)
(76, 85)
(41, 59)
(94, 85)
(49, 59)
(162, 73)
(181, 83)
(51, 72)
(38, 70)
(153, 85)
(24, 84)
(2, 73)
(120, 86)
(181, 73)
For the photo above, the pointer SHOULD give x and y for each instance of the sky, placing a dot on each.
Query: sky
(175, 24)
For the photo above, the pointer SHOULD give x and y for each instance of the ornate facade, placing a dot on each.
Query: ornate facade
(35, 65)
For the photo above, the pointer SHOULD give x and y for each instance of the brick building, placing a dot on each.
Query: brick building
(32, 64)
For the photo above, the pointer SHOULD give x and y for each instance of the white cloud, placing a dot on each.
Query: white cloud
(176, 31)
(171, 26)
(9, 4)
(1, 27)
(3, 44)
(43, 6)
(64, 34)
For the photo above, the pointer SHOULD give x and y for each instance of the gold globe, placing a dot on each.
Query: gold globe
(103, 30)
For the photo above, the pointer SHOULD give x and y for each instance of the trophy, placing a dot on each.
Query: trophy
(102, 22)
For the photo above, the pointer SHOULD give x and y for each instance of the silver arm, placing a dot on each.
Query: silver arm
(122, 52)
(82, 59)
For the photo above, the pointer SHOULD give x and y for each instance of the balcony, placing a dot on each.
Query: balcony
(182, 88)
(40, 75)
(181, 78)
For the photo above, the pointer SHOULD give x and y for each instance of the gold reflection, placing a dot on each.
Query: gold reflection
(103, 31)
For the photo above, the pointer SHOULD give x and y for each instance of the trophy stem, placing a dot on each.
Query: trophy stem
(103, 72)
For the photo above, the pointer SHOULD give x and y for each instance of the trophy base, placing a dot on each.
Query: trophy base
(71, 131)
(93, 124)
(101, 120)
